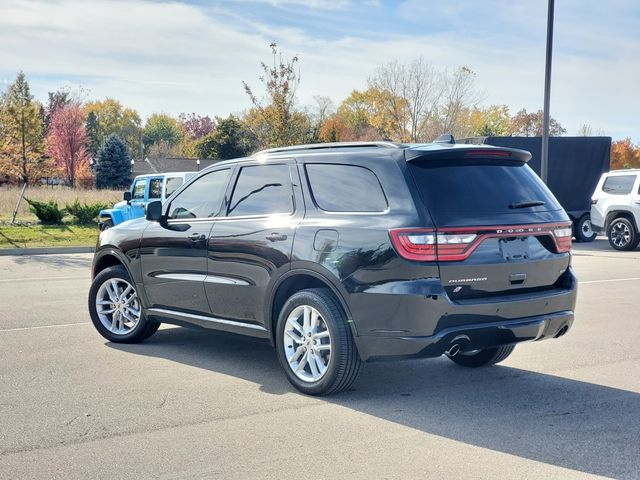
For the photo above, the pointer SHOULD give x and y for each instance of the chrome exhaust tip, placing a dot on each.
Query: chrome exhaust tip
(453, 350)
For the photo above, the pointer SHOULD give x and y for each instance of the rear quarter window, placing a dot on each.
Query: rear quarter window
(618, 184)
(345, 188)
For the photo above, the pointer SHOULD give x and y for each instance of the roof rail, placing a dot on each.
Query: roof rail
(323, 146)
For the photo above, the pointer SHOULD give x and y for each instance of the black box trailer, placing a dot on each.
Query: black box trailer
(575, 166)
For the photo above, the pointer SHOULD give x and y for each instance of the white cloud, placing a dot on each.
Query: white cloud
(176, 57)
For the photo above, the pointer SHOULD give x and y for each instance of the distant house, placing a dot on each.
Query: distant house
(168, 164)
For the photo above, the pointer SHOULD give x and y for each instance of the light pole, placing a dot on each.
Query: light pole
(544, 157)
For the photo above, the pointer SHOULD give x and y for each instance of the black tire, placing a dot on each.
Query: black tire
(141, 331)
(481, 358)
(344, 363)
(622, 234)
(583, 230)
(107, 224)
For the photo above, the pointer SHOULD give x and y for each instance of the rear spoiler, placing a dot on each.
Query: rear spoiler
(466, 152)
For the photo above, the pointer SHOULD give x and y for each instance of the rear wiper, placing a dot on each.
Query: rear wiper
(528, 203)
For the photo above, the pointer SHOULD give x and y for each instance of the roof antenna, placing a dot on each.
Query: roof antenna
(446, 138)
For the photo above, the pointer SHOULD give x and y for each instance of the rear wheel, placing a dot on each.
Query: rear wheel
(480, 358)
(315, 345)
(622, 234)
(115, 308)
(583, 230)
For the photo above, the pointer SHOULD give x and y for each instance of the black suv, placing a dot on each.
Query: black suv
(344, 253)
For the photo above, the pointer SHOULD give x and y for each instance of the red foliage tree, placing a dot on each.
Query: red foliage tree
(67, 142)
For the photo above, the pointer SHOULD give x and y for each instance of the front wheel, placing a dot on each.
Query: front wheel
(115, 308)
(583, 229)
(622, 234)
(480, 358)
(315, 345)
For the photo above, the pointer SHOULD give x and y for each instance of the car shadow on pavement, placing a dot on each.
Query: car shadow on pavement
(558, 421)
(60, 260)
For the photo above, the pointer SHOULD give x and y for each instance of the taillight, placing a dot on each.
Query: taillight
(415, 244)
(457, 243)
(563, 238)
(426, 245)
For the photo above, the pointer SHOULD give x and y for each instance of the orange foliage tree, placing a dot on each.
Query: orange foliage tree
(624, 154)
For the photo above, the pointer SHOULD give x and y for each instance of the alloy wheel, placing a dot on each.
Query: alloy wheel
(117, 306)
(307, 343)
(620, 234)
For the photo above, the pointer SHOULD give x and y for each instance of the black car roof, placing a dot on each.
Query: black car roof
(411, 151)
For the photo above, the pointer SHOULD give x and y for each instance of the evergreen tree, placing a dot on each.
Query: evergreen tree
(230, 139)
(93, 132)
(113, 165)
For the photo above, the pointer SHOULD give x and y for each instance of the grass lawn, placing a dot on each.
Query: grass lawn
(26, 236)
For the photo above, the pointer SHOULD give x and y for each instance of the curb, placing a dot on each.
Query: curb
(45, 250)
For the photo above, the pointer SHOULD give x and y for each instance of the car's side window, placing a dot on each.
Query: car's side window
(201, 199)
(262, 190)
(138, 189)
(619, 184)
(345, 188)
(155, 188)
(173, 183)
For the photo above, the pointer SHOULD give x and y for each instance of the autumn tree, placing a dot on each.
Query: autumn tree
(527, 124)
(196, 126)
(273, 117)
(110, 117)
(58, 99)
(367, 114)
(113, 164)
(162, 132)
(624, 154)
(67, 142)
(22, 148)
(493, 121)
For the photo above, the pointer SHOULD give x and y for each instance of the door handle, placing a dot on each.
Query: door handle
(194, 237)
(276, 237)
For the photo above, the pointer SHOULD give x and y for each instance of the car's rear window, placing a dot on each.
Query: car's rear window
(477, 189)
(619, 184)
(345, 188)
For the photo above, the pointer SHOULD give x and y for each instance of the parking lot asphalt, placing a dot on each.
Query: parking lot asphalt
(199, 404)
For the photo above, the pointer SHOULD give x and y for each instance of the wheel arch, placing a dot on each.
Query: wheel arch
(294, 281)
(613, 214)
(109, 258)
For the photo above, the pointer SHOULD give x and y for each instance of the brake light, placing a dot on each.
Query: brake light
(487, 153)
(453, 244)
(563, 239)
(427, 245)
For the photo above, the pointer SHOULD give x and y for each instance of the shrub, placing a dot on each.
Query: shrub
(85, 212)
(47, 212)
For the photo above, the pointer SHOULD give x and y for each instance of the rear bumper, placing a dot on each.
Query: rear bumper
(468, 337)
(410, 325)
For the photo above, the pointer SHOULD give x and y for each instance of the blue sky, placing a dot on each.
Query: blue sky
(192, 56)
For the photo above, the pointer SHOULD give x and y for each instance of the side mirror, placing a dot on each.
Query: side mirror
(127, 196)
(154, 211)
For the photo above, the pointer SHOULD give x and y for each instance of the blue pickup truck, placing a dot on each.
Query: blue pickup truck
(144, 189)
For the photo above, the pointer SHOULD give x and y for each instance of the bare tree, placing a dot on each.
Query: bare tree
(460, 96)
(414, 94)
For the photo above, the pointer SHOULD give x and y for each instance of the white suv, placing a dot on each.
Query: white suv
(615, 208)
